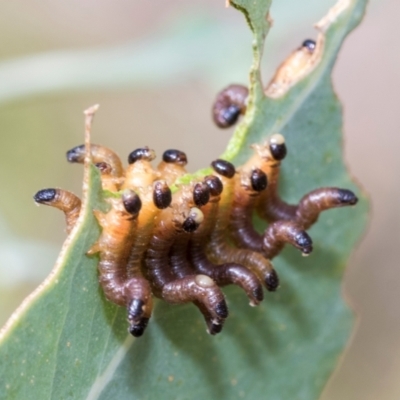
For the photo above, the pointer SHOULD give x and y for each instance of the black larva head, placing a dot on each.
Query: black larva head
(103, 167)
(258, 294)
(258, 180)
(143, 153)
(229, 115)
(347, 197)
(201, 194)
(189, 225)
(174, 156)
(132, 202)
(304, 242)
(222, 309)
(277, 147)
(45, 195)
(214, 184)
(213, 327)
(77, 154)
(193, 221)
(224, 168)
(309, 44)
(138, 329)
(162, 195)
(272, 281)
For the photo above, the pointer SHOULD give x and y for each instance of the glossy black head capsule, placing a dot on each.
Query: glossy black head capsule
(174, 156)
(132, 202)
(272, 281)
(214, 184)
(258, 180)
(347, 197)
(277, 147)
(45, 195)
(224, 168)
(77, 154)
(138, 329)
(162, 195)
(201, 194)
(230, 115)
(309, 44)
(193, 221)
(142, 153)
(304, 242)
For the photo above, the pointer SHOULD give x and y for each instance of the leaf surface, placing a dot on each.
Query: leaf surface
(67, 341)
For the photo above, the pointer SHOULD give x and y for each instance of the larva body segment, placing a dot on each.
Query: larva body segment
(155, 196)
(218, 250)
(140, 173)
(99, 154)
(199, 289)
(304, 214)
(108, 181)
(251, 181)
(119, 227)
(223, 274)
(118, 230)
(145, 224)
(296, 66)
(184, 202)
(65, 201)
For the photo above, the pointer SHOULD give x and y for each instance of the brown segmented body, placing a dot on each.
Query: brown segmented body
(244, 200)
(190, 288)
(118, 231)
(140, 174)
(99, 154)
(65, 201)
(220, 252)
(223, 274)
(304, 214)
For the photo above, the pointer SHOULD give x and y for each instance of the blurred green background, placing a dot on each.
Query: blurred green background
(155, 68)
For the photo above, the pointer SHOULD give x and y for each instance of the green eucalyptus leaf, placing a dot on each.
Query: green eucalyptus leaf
(67, 341)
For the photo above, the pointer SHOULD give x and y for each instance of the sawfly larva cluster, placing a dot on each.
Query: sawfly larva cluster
(183, 245)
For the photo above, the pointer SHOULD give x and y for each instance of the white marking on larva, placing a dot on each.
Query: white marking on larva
(204, 281)
(196, 215)
(277, 138)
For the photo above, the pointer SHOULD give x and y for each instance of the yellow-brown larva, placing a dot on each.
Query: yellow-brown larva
(65, 201)
(304, 214)
(173, 281)
(183, 247)
(231, 102)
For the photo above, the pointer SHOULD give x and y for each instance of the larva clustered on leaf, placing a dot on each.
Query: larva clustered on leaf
(183, 247)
